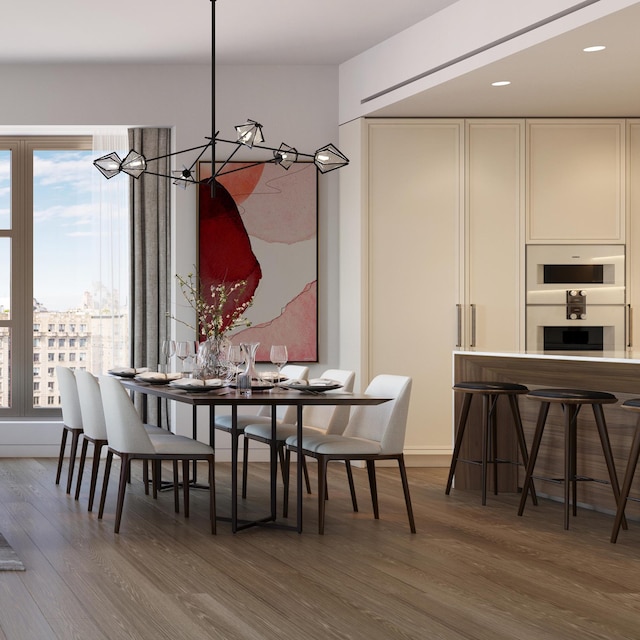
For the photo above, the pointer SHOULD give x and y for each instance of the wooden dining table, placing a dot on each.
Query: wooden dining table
(227, 397)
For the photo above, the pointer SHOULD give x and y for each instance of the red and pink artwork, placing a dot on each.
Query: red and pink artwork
(261, 226)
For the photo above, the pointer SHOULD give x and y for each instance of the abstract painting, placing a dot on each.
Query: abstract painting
(261, 225)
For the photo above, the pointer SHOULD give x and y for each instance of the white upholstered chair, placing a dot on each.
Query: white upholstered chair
(374, 432)
(71, 420)
(129, 440)
(95, 430)
(316, 420)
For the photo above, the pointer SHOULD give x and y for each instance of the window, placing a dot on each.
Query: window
(36, 386)
(57, 272)
(36, 372)
(83, 343)
(50, 386)
(72, 357)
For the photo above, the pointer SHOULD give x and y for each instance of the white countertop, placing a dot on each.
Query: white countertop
(627, 357)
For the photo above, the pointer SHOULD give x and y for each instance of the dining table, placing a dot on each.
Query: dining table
(229, 397)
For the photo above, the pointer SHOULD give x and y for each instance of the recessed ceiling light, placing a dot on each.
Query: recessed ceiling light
(501, 83)
(597, 47)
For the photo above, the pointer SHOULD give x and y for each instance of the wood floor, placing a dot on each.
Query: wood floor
(469, 572)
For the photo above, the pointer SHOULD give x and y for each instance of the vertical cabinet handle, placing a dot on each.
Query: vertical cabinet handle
(459, 316)
(629, 320)
(473, 325)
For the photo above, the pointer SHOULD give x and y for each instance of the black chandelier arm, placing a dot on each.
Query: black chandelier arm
(204, 147)
(246, 166)
(264, 147)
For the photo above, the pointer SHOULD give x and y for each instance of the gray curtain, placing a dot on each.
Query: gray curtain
(150, 200)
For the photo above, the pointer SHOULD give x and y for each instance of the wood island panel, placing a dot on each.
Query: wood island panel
(620, 377)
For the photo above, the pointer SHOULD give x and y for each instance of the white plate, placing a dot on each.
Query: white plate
(197, 386)
(127, 372)
(313, 386)
(153, 377)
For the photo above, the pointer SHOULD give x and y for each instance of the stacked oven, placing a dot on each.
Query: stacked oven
(576, 298)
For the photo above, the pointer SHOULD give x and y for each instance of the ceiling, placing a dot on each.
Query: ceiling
(179, 31)
(554, 78)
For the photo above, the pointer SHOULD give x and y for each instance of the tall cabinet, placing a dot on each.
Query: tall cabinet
(440, 219)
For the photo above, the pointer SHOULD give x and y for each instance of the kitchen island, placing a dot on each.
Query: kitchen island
(614, 372)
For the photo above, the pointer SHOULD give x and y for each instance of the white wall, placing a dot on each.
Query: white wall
(298, 105)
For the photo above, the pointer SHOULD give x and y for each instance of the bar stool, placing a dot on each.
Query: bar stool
(634, 454)
(571, 400)
(490, 392)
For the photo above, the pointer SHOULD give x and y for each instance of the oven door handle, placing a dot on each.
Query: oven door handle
(629, 319)
(459, 319)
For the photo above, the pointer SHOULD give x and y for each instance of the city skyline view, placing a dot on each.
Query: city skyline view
(72, 237)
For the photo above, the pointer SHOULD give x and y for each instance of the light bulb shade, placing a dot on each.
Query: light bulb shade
(285, 156)
(249, 133)
(134, 164)
(108, 165)
(329, 158)
(183, 178)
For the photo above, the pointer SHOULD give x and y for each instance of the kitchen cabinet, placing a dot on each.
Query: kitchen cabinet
(441, 205)
(493, 236)
(575, 181)
(415, 195)
(633, 232)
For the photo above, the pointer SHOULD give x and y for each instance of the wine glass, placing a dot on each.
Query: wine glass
(279, 357)
(235, 357)
(167, 351)
(185, 349)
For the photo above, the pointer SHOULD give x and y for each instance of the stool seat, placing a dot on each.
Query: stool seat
(490, 387)
(575, 396)
(489, 392)
(572, 401)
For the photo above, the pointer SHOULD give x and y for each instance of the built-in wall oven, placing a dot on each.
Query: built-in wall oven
(576, 298)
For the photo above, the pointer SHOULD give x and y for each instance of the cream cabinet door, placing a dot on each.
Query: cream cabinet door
(414, 191)
(633, 235)
(575, 181)
(493, 234)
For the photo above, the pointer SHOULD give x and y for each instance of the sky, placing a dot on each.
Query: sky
(71, 229)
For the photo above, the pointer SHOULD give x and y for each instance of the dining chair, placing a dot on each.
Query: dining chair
(262, 415)
(95, 430)
(373, 433)
(316, 420)
(129, 440)
(71, 420)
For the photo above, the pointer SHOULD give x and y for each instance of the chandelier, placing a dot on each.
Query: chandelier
(248, 135)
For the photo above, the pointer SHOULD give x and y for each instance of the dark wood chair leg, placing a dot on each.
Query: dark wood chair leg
(97, 449)
(122, 488)
(75, 436)
(352, 487)
(322, 484)
(285, 466)
(533, 455)
(632, 463)
(145, 476)
(245, 468)
(185, 485)
(212, 494)
(105, 483)
(176, 486)
(462, 423)
(63, 444)
(517, 420)
(598, 412)
(493, 438)
(305, 472)
(373, 485)
(485, 445)
(407, 496)
(83, 457)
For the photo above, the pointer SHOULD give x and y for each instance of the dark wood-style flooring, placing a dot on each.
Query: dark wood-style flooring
(470, 572)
